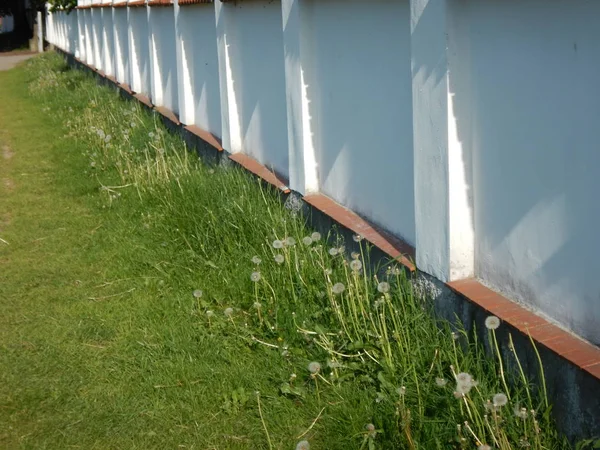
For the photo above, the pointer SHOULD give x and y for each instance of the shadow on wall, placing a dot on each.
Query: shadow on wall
(255, 46)
(163, 30)
(198, 28)
(357, 69)
(140, 43)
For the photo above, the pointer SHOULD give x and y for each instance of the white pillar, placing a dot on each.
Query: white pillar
(231, 135)
(184, 79)
(303, 169)
(443, 203)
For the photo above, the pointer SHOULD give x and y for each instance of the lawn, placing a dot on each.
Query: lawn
(152, 301)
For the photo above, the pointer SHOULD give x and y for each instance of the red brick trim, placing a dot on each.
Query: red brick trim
(160, 3)
(120, 5)
(143, 99)
(194, 2)
(168, 114)
(97, 5)
(207, 137)
(392, 246)
(137, 3)
(579, 352)
(261, 171)
(84, 7)
(126, 88)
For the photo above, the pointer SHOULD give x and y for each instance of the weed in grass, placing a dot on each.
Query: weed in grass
(343, 356)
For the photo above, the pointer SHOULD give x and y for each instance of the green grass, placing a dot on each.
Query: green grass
(104, 345)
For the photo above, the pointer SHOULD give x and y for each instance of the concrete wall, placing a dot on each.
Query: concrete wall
(199, 88)
(466, 127)
(139, 50)
(530, 118)
(164, 61)
(121, 45)
(252, 32)
(108, 48)
(358, 80)
(97, 34)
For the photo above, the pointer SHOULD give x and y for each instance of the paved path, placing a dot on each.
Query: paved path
(8, 60)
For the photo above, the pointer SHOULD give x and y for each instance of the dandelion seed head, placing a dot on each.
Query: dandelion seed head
(328, 271)
(492, 323)
(521, 413)
(210, 313)
(307, 240)
(383, 287)
(314, 367)
(279, 259)
(458, 395)
(355, 265)
(355, 255)
(357, 238)
(290, 241)
(303, 445)
(107, 138)
(132, 124)
(256, 260)
(316, 236)
(151, 134)
(454, 336)
(257, 305)
(197, 293)
(484, 447)
(277, 244)
(333, 251)
(255, 276)
(228, 312)
(500, 399)
(338, 288)
(464, 378)
(441, 382)
(341, 249)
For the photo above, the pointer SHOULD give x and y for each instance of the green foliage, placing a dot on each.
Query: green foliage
(66, 5)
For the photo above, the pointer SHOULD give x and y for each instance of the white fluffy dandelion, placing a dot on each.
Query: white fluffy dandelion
(355, 265)
(290, 241)
(255, 276)
(151, 135)
(383, 287)
(314, 367)
(228, 312)
(355, 255)
(257, 305)
(492, 323)
(307, 240)
(256, 260)
(303, 445)
(209, 313)
(316, 236)
(197, 293)
(279, 259)
(357, 238)
(333, 251)
(441, 382)
(371, 429)
(338, 288)
(500, 399)
(277, 244)
(484, 447)
(521, 413)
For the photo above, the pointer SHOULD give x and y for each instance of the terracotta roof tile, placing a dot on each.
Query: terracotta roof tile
(193, 2)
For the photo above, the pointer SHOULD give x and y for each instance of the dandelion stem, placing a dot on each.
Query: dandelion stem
(500, 363)
(262, 419)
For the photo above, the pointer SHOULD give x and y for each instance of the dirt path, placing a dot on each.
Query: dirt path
(10, 60)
